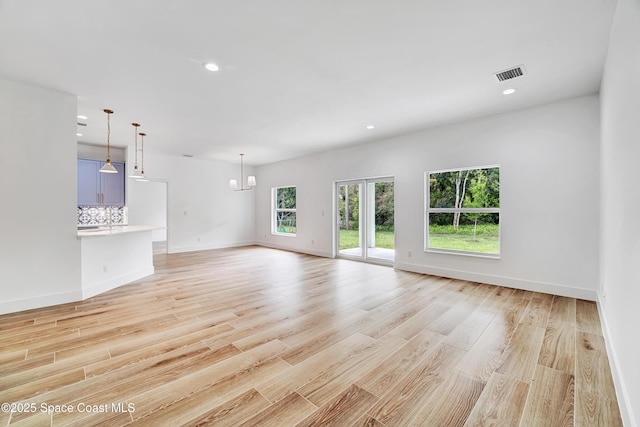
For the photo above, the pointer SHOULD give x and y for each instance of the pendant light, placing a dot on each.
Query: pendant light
(142, 177)
(251, 180)
(136, 171)
(108, 167)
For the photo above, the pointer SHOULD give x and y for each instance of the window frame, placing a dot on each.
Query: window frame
(429, 210)
(275, 210)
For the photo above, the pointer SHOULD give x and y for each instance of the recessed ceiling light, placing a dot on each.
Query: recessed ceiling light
(211, 66)
(78, 134)
(508, 91)
(370, 127)
(83, 117)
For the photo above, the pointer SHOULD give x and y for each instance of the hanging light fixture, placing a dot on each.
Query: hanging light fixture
(142, 177)
(136, 171)
(251, 180)
(108, 167)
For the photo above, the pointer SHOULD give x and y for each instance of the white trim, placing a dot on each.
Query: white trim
(364, 223)
(73, 296)
(275, 210)
(180, 249)
(308, 251)
(116, 282)
(41, 301)
(510, 282)
(463, 253)
(624, 402)
(428, 210)
(465, 168)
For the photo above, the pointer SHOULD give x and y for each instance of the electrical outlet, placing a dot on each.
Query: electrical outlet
(312, 241)
(409, 254)
(105, 268)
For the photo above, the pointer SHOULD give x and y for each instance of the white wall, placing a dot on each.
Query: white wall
(620, 208)
(549, 195)
(203, 213)
(39, 250)
(149, 204)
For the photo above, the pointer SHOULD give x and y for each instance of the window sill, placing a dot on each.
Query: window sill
(284, 234)
(463, 253)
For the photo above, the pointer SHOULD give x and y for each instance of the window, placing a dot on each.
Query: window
(283, 200)
(463, 211)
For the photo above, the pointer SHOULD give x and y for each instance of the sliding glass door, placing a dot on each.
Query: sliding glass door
(364, 215)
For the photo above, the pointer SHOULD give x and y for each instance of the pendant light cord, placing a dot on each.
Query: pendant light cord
(135, 135)
(109, 113)
(142, 135)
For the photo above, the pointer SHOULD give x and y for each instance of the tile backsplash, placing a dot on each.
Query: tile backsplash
(99, 215)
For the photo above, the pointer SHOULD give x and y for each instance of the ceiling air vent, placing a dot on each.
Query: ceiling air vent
(511, 73)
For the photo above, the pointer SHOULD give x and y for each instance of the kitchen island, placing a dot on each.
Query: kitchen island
(114, 256)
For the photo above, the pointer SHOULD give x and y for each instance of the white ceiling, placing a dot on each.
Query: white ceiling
(298, 76)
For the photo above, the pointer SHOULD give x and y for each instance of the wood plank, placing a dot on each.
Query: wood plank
(587, 317)
(559, 347)
(452, 401)
(520, 357)
(293, 377)
(563, 309)
(287, 411)
(551, 400)
(500, 404)
(335, 379)
(485, 355)
(345, 409)
(537, 312)
(593, 373)
(465, 334)
(418, 322)
(225, 379)
(389, 373)
(403, 402)
(196, 409)
(595, 410)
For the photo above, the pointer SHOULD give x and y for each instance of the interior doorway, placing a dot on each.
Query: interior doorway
(365, 220)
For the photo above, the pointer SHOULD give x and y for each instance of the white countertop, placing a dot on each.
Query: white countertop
(116, 229)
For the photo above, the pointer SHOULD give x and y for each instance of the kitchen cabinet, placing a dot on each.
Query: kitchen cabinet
(100, 189)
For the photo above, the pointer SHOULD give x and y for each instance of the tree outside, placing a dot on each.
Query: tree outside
(349, 215)
(462, 190)
(286, 210)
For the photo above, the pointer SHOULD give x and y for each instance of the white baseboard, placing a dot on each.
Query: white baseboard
(73, 296)
(624, 403)
(179, 249)
(527, 285)
(107, 285)
(308, 251)
(39, 301)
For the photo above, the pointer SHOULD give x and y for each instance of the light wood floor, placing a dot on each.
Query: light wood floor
(260, 337)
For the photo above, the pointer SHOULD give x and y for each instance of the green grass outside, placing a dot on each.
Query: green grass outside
(351, 239)
(287, 229)
(487, 239)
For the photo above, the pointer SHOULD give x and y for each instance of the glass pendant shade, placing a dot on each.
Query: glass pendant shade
(233, 184)
(251, 181)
